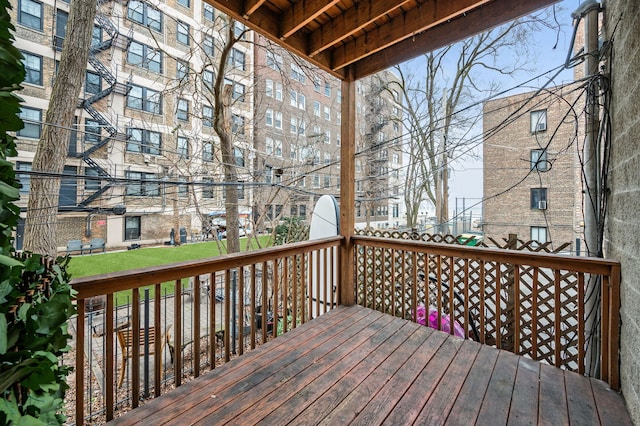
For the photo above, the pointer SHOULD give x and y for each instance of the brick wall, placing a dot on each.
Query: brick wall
(623, 226)
(508, 179)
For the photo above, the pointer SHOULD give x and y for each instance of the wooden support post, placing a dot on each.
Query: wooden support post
(347, 190)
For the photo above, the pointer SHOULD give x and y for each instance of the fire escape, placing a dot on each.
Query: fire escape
(115, 39)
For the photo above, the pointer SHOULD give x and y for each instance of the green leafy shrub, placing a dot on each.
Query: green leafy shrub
(35, 296)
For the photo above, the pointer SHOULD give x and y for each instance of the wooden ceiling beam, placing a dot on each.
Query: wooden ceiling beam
(491, 15)
(250, 6)
(301, 13)
(419, 19)
(363, 13)
(265, 22)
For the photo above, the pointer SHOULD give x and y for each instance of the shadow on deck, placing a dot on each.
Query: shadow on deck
(355, 365)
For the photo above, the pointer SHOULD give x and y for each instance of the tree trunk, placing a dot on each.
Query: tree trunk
(42, 210)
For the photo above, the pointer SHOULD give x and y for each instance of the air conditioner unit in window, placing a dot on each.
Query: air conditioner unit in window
(542, 205)
(542, 127)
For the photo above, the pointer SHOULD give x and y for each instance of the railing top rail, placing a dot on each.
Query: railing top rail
(592, 265)
(98, 285)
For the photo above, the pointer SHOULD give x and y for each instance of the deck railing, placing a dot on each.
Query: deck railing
(141, 332)
(533, 304)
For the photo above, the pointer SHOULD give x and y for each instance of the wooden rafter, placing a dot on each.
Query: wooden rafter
(303, 12)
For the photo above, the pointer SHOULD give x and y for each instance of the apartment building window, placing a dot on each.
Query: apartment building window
(30, 14)
(185, 3)
(327, 158)
(239, 157)
(237, 124)
(316, 108)
(144, 56)
(327, 89)
(239, 30)
(207, 152)
(96, 36)
(268, 146)
(145, 14)
(327, 113)
(92, 83)
(132, 227)
(207, 187)
(269, 117)
(539, 234)
(209, 13)
(33, 67)
(302, 211)
(338, 141)
(294, 125)
(237, 59)
(183, 189)
(277, 148)
(327, 181)
(182, 109)
(339, 96)
(183, 148)
(182, 33)
(142, 184)
(278, 120)
(144, 99)
(91, 180)
(539, 198)
(297, 100)
(327, 136)
(316, 181)
(143, 141)
(208, 45)
(268, 174)
(396, 158)
(297, 73)
(207, 116)
(539, 160)
(208, 77)
(395, 210)
(62, 18)
(92, 131)
(237, 89)
(182, 69)
(32, 118)
(24, 178)
(274, 61)
(278, 210)
(240, 192)
(538, 121)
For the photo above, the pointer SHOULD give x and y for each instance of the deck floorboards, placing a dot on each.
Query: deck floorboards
(357, 366)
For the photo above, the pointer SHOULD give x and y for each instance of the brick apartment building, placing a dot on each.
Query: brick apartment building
(532, 184)
(144, 137)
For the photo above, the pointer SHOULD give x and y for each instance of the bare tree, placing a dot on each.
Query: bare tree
(42, 210)
(441, 109)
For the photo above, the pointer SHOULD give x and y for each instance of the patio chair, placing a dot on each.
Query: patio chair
(96, 244)
(125, 339)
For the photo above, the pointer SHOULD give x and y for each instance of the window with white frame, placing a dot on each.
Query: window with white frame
(539, 234)
(327, 113)
(269, 88)
(538, 121)
(327, 136)
(141, 184)
(316, 108)
(277, 148)
(327, 89)
(278, 120)
(268, 117)
(297, 73)
(268, 148)
(274, 61)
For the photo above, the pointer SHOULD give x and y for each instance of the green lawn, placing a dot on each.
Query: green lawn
(87, 265)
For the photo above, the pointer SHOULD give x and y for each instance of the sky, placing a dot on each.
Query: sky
(550, 47)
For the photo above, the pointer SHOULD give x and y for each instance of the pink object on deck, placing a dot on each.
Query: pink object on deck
(432, 321)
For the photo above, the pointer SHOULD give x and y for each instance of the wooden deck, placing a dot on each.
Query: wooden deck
(355, 365)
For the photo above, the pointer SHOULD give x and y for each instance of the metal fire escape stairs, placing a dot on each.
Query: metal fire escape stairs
(115, 40)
